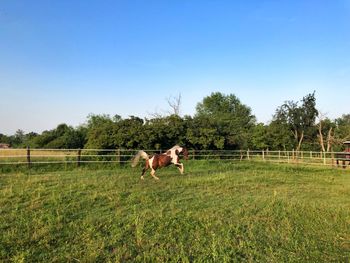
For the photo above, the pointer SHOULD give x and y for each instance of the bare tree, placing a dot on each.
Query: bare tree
(330, 134)
(157, 114)
(175, 103)
(320, 134)
(330, 139)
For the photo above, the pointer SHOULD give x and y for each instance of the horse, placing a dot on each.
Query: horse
(343, 157)
(156, 161)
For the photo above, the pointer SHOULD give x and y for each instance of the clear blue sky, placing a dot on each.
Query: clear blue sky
(61, 60)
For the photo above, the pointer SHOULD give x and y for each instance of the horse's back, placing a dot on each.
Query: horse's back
(160, 160)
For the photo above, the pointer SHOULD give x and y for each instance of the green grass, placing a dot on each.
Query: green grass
(216, 212)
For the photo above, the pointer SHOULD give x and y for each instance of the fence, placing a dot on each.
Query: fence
(78, 157)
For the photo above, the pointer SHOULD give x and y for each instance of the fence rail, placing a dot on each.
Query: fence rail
(123, 156)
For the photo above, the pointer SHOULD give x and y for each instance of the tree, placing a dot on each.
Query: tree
(279, 135)
(233, 119)
(259, 137)
(30, 138)
(128, 132)
(325, 132)
(18, 138)
(100, 131)
(95, 120)
(62, 137)
(203, 133)
(300, 120)
(175, 104)
(5, 139)
(341, 130)
(164, 132)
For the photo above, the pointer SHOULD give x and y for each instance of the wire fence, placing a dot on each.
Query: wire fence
(78, 157)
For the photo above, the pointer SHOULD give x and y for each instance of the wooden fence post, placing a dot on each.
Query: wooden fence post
(248, 157)
(79, 157)
(118, 156)
(332, 156)
(28, 157)
(279, 155)
(302, 156)
(297, 153)
(263, 155)
(310, 156)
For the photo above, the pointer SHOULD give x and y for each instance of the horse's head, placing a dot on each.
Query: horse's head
(185, 153)
(180, 150)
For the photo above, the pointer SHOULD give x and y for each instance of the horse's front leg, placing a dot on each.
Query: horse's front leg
(180, 166)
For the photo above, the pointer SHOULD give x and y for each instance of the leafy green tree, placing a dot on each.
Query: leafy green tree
(95, 120)
(341, 131)
(18, 138)
(30, 139)
(153, 135)
(164, 132)
(62, 137)
(105, 132)
(279, 136)
(233, 119)
(299, 120)
(100, 132)
(5, 139)
(259, 137)
(203, 133)
(128, 132)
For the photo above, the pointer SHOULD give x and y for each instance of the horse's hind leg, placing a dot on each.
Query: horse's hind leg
(144, 170)
(153, 173)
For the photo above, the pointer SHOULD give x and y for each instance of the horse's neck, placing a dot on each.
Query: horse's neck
(176, 147)
(172, 152)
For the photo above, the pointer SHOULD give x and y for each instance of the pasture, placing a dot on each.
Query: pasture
(216, 212)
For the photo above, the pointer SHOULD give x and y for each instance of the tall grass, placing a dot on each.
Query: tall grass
(216, 212)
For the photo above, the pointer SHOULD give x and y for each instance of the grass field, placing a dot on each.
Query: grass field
(216, 212)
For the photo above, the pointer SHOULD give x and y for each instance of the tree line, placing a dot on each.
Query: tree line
(220, 122)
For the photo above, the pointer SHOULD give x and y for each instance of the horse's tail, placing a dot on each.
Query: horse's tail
(141, 154)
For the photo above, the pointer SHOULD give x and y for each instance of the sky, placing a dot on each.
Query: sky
(63, 60)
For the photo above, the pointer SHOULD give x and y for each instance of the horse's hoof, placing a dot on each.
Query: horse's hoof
(142, 178)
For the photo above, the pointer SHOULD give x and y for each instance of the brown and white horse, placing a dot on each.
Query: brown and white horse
(156, 161)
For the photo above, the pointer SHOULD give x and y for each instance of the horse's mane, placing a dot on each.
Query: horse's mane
(175, 147)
